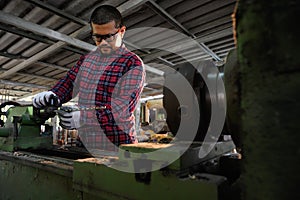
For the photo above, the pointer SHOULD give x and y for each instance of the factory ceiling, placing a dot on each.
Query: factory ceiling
(41, 39)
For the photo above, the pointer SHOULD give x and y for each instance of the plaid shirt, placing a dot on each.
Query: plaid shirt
(114, 81)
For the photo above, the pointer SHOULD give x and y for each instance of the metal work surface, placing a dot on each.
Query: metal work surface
(30, 176)
(108, 183)
(186, 157)
(27, 176)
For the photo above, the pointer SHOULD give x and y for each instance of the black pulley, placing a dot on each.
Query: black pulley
(175, 111)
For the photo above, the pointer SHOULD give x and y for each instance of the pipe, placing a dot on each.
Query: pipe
(5, 132)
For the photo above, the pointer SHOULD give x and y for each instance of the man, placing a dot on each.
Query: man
(108, 83)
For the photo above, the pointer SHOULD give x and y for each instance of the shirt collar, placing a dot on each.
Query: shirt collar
(121, 50)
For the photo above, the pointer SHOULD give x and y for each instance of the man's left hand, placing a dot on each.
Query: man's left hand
(69, 117)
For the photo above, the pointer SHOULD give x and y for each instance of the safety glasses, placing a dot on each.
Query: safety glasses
(107, 38)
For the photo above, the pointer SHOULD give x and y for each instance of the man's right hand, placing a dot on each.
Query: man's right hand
(43, 99)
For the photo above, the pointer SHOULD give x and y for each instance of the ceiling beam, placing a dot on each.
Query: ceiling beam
(32, 75)
(45, 64)
(134, 47)
(30, 60)
(31, 94)
(126, 7)
(160, 11)
(57, 11)
(36, 38)
(39, 55)
(17, 31)
(21, 23)
(18, 84)
(52, 65)
(22, 92)
(182, 44)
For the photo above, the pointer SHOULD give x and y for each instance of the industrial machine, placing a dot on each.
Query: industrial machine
(25, 128)
(35, 165)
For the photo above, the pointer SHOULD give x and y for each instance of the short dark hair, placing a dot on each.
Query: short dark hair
(105, 14)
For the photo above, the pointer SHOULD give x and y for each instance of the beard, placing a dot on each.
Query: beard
(106, 50)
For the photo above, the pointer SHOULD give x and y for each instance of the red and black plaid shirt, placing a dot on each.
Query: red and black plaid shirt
(114, 81)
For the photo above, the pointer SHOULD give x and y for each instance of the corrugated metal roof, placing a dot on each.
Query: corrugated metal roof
(32, 58)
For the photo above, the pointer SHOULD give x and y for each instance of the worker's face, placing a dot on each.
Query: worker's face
(107, 37)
